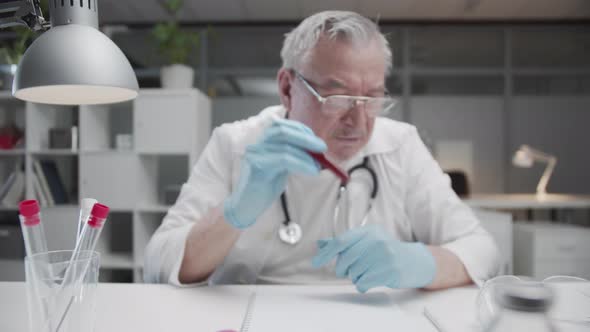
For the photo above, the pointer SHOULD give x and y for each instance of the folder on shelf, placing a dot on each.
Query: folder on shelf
(56, 186)
(13, 189)
(43, 184)
(7, 185)
(38, 191)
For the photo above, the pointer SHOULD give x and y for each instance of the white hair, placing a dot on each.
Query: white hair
(333, 24)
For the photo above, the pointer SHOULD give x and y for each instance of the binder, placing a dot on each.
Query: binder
(14, 190)
(55, 185)
(38, 172)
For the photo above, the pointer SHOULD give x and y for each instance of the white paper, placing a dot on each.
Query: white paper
(322, 310)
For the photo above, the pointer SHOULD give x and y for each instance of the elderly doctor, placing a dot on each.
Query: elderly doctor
(258, 208)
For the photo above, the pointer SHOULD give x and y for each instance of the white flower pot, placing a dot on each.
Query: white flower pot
(177, 77)
(7, 76)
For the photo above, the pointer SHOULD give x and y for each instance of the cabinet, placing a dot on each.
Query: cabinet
(168, 130)
(499, 225)
(543, 249)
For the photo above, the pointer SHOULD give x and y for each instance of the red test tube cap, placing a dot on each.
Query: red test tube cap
(100, 211)
(28, 208)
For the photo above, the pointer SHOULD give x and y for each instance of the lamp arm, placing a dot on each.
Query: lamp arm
(536, 154)
(542, 186)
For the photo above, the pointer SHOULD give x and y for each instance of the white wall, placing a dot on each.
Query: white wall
(229, 109)
(556, 125)
(469, 119)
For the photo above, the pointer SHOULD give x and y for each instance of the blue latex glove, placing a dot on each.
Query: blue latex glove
(371, 258)
(265, 166)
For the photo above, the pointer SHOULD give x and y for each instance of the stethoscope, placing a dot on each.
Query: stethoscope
(290, 231)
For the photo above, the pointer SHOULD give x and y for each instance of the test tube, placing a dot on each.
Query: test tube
(91, 231)
(88, 240)
(85, 208)
(35, 243)
(32, 228)
(325, 163)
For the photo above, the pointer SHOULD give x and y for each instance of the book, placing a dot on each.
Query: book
(56, 186)
(39, 191)
(7, 185)
(38, 172)
(16, 190)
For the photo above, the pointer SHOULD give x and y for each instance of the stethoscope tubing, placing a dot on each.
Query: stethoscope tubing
(290, 231)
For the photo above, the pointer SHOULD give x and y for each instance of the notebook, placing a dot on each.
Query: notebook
(453, 310)
(325, 309)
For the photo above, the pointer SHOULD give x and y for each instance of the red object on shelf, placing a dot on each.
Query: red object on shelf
(9, 137)
(6, 142)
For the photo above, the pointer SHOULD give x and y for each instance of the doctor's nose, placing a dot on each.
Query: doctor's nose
(355, 115)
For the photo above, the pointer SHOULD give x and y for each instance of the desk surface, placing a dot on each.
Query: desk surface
(147, 308)
(528, 201)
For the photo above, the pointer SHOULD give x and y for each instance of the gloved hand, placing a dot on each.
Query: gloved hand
(371, 258)
(265, 166)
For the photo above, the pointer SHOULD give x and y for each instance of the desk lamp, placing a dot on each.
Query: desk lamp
(72, 63)
(526, 156)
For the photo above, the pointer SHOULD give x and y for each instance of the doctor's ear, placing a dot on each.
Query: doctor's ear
(285, 79)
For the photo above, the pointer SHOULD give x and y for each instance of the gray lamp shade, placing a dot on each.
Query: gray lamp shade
(74, 64)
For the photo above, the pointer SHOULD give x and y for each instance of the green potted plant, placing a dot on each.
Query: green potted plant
(175, 45)
(11, 54)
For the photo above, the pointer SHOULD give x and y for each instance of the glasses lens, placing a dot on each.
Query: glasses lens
(373, 106)
(338, 104)
(376, 106)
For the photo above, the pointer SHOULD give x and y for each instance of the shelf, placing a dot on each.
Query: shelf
(162, 153)
(7, 95)
(13, 269)
(12, 260)
(106, 151)
(120, 209)
(71, 206)
(61, 207)
(116, 261)
(154, 208)
(164, 146)
(443, 71)
(55, 152)
(12, 152)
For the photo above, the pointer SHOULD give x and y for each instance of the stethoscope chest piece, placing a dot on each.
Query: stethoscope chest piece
(290, 232)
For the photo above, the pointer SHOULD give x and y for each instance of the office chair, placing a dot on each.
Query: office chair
(459, 182)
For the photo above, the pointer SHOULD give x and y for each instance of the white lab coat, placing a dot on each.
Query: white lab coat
(415, 202)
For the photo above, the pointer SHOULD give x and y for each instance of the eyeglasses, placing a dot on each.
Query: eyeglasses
(339, 104)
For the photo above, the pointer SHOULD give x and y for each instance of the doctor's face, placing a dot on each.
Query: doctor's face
(336, 67)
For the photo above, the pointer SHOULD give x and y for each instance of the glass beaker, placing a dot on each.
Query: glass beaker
(54, 306)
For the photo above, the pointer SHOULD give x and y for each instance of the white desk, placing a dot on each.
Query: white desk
(151, 308)
(528, 201)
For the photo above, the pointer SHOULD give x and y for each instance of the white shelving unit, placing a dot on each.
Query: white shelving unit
(169, 129)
